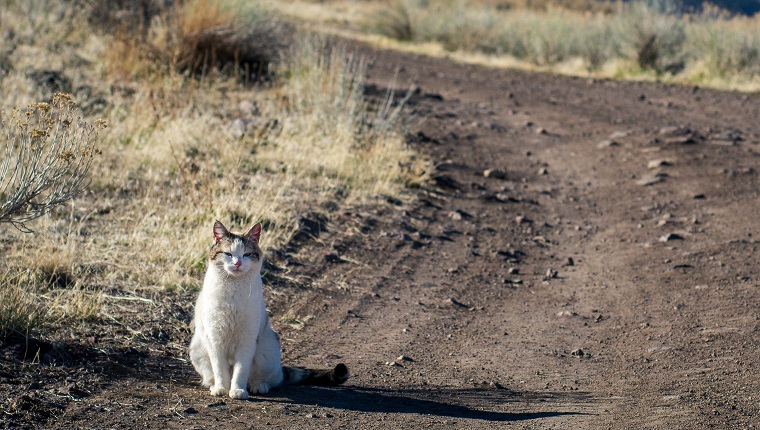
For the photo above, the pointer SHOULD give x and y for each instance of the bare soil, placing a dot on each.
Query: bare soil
(606, 277)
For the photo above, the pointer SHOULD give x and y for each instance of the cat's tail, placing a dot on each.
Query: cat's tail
(324, 377)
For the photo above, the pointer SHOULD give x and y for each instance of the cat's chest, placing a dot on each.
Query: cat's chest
(231, 310)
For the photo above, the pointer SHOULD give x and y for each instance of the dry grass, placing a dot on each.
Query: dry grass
(638, 40)
(185, 148)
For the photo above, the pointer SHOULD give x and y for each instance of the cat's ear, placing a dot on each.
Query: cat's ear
(254, 233)
(220, 231)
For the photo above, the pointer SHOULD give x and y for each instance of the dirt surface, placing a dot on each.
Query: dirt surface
(603, 277)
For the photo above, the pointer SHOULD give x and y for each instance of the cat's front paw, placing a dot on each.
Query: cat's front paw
(218, 390)
(238, 393)
(260, 388)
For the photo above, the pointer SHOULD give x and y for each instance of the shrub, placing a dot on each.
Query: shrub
(394, 21)
(47, 150)
(655, 36)
(199, 36)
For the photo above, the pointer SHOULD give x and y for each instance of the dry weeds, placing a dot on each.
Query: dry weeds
(182, 149)
(639, 40)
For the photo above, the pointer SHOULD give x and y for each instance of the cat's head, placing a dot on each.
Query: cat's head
(236, 254)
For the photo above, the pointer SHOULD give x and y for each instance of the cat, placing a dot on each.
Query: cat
(234, 348)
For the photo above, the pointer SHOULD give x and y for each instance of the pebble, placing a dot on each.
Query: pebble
(247, 107)
(652, 179)
(607, 143)
(521, 219)
(238, 128)
(551, 273)
(566, 314)
(495, 173)
(541, 130)
(653, 164)
(543, 171)
(619, 133)
(669, 130)
(670, 236)
(454, 302)
(457, 215)
(513, 271)
(578, 353)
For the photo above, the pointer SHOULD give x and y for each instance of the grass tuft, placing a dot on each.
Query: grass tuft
(22, 309)
(200, 37)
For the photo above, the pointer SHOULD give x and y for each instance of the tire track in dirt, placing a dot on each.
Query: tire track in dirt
(628, 333)
(462, 309)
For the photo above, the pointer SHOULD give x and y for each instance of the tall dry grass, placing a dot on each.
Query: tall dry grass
(642, 37)
(184, 148)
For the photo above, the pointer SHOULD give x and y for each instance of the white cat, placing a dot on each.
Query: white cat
(234, 347)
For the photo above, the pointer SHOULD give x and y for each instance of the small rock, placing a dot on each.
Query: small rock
(495, 173)
(578, 353)
(647, 180)
(656, 349)
(653, 164)
(541, 130)
(402, 358)
(247, 107)
(543, 171)
(513, 271)
(566, 314)
(458, 215)
(520, 219)
(551, 274)
(238, 128)
(619, 134)
(683, 140)
(570, 262)
(496, 385)
(670, 236)
(454, 302)
(670, 130)
(607, 144)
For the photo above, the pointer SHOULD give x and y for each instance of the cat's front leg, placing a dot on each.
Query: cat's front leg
(221, 368)
(241, 370)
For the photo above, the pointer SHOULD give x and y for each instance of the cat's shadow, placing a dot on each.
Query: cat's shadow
(473, 403)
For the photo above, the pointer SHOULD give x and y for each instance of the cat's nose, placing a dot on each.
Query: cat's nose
(238, 263)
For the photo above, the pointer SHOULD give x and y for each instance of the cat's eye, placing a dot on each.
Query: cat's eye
(248, 254)
(228, 254)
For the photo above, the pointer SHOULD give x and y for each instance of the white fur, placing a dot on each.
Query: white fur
(234, 347)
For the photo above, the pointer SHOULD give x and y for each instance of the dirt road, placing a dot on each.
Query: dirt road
(603, 274)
